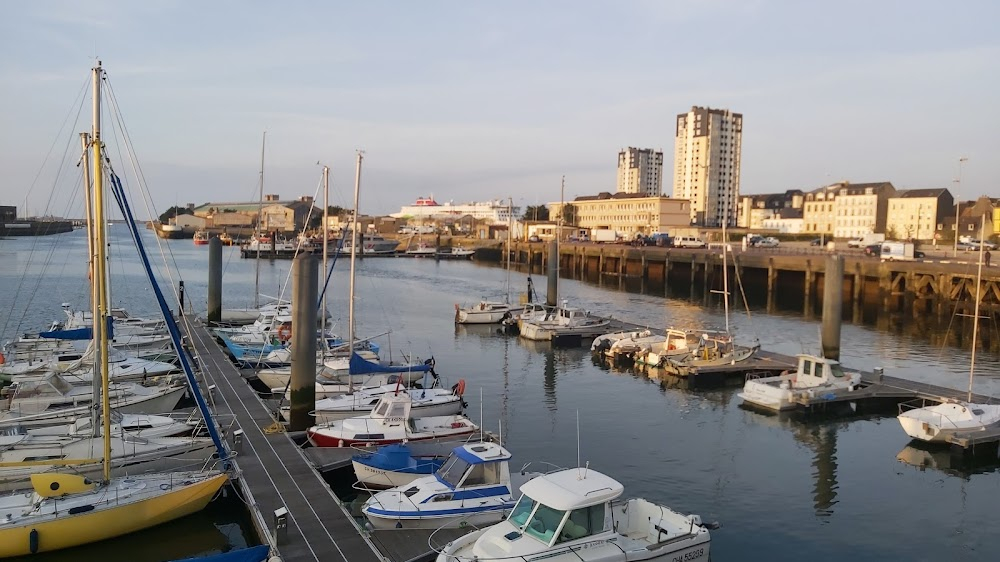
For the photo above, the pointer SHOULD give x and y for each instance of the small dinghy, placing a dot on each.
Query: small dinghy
(393, 465)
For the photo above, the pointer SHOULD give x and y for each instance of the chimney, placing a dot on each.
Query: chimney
(306, 198)
(270, 197)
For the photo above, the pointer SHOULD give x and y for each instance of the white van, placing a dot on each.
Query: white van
(893, 251)
(689, 242)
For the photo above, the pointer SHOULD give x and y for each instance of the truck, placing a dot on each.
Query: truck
(896, 251)
(605, 236)
(866, 240)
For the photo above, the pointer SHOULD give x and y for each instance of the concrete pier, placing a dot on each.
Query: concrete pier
(214, 280)
(552, 294)
(302, 387)
(833, 304)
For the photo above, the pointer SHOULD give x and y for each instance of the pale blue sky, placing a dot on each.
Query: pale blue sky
(477, 100)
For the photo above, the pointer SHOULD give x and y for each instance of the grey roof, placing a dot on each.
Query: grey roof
(914, 193)
(619, 195)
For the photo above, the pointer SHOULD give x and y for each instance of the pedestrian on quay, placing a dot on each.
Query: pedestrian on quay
(986, 256)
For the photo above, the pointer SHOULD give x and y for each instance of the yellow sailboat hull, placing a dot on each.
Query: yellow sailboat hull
(68, 531)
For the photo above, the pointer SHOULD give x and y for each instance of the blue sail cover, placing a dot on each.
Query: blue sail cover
(252, 554)
(78, 333)
(361, 366)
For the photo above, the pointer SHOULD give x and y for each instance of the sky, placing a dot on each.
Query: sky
(471, 101)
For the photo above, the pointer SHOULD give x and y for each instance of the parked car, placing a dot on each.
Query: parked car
(534, 238)
(873, 249)
(769, 242)
(816, 242)
(919, 255)
(855, 242)
(986, 244)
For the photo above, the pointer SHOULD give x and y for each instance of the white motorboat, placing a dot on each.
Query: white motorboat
(485, 312)
(814, 376)
(473, 487)
(935, 424)
(268, 326)
(574, 515)
(426, 402)
(565, 322)
(389, 422)
(399, 464)
(124, 323)
(939, 422)
(49, 399)
(237, 317)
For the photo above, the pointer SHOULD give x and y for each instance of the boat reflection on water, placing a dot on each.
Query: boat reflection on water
(484, 331)
(923, 456)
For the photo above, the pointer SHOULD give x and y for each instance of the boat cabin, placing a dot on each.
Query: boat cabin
(48, 385)
(392, 407)
(564, 506)
(473, 465)
(814, 371)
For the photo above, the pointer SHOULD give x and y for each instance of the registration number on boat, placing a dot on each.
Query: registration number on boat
(689, 556)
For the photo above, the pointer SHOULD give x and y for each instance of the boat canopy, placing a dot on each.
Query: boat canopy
(78, 333)
(361, 366)
(572, 489)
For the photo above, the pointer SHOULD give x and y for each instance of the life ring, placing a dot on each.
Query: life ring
(285, 332)
(459, 388)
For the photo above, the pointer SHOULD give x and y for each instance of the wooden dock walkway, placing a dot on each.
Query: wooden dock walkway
(277, 475)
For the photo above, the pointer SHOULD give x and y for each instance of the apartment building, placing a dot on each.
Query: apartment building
(628, 213)
(847, 210)
(755, 210)
(707, 149)
(918, 213)
(640, 170)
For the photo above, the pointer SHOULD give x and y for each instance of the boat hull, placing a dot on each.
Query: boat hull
(450, 408)
(374, 478)
(467, 316)
(488, 516)
(100, 524)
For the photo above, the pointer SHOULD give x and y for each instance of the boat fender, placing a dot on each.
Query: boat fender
(33, 541)
(340, 442)
(285, 333)
(81, 509)
(2, 358)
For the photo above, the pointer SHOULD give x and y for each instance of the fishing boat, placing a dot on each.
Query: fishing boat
(396, 465)
(474, 487)
(64, 510)
(576, 515)
(677, 343)
(200, 238)
(454, 253)
(422, 250)
(371, 245)
(389, 422)
(814, 376)
(226, 239)
(938, 422)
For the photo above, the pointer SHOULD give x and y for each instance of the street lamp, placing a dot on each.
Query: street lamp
(958, 199)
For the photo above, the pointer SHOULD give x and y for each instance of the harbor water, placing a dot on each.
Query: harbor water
(782, 487)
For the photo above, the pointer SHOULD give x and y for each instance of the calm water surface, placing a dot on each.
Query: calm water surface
(782, 488)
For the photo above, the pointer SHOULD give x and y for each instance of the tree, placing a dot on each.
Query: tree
(536, 213)
(173, 212)
(569, 214)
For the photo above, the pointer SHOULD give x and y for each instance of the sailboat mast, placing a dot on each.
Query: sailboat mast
(510, 228)
(725, 265)
(354, 255)
(260, 214)
(94, 311)
(326, 253)
(975, 313)
(101, 277)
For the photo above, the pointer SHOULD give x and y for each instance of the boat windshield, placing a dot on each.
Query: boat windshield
(836, 370)
(452, 470)
(523, 509)
(544, 523)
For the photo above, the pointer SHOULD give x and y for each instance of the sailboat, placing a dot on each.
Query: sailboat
(64, 510)
(487, 311)
(713, 347)
(936, 424)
